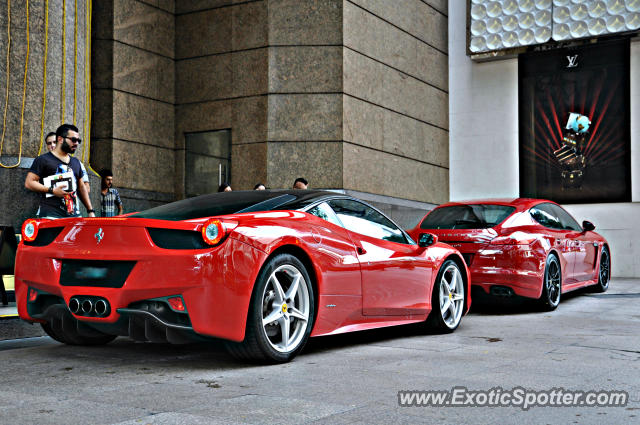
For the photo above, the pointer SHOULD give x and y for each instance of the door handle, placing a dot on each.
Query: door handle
(361, 250)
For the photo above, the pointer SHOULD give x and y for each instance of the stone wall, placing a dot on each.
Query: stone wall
(395, 115)
(351, 94)
(33, 121)
(305, 93)
(221, 82)
(133, 72)
(21, 130)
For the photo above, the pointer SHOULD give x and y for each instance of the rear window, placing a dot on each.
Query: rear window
(480, 216)
(220, 204)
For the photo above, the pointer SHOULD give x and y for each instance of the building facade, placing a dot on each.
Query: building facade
(506, 105)
(352, 95)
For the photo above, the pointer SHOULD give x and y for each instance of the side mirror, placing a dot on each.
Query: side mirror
(588, 226)
(427, 239)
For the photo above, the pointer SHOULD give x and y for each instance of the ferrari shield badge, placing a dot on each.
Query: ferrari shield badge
(99, 235)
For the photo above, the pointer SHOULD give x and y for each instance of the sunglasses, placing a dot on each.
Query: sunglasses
(74, 139)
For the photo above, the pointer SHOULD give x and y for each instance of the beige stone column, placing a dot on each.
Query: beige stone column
(50, 47)
(222, 65)
(46, 28)
(305, 93)
(133, 98)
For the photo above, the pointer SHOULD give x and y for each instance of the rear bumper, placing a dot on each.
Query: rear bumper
(522, 284)
(518, 267)
(141, 324)
(215, 284)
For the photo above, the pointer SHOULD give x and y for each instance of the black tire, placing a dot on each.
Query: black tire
(64, 329)
(604, 271)
(261, 340)
(551, 284)
(446, 318)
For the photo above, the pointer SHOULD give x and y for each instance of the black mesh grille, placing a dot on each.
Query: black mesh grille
(42, 302)
(104, 274)
(468, 258)
(177, 239)
(162, 310)
(45, 236)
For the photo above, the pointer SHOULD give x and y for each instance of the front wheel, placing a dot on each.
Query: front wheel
(551, 284)
(448, 298)
(281, 312)
(604, 273)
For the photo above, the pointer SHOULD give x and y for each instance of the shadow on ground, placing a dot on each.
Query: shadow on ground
(483, 304)
(205, 355)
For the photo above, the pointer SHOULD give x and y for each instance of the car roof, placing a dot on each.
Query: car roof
(234, 202)
(519, 203)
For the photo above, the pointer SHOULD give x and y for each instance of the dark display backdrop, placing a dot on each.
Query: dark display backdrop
(591, 80)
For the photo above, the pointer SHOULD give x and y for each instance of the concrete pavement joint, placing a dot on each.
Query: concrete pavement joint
(606, 348)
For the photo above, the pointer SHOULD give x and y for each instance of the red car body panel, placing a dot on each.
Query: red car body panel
(386, 284)
(513, 253)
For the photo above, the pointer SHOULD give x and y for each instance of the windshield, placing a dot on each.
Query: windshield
(480, 216)
(220, 204)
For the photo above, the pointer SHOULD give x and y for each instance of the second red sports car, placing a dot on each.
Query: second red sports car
(262, 269)
(527, 247)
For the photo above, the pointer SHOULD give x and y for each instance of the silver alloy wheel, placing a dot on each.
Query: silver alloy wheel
(451, 296)
(604, 269)
(552, 283)
(285, 308)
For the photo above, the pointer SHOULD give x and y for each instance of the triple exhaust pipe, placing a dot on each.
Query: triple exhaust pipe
(89, 306)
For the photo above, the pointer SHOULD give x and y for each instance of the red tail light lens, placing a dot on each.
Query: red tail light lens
(215, 230)
(33, 294)
(212, 231)
(30, 230)
(176, 303)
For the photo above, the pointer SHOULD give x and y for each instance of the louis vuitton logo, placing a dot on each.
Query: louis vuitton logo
(573, 61)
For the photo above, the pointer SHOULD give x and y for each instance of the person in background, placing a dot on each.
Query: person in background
(300, 183)
(225, 187)
(55, 175)
(259, 186)
(50, 141)
(110, 198)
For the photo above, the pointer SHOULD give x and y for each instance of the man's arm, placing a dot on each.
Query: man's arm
(32, 182)
(85, 177)
(84, 197)
(119, 203)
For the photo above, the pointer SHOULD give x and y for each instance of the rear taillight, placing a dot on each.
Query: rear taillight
(214, 230)
(176, 303)
(30, 230)
(32, 295)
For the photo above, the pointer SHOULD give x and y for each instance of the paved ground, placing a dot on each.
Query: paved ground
(592, 342)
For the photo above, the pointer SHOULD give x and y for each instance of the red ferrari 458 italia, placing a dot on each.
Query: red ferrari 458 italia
(263, 270)
(527, 247)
